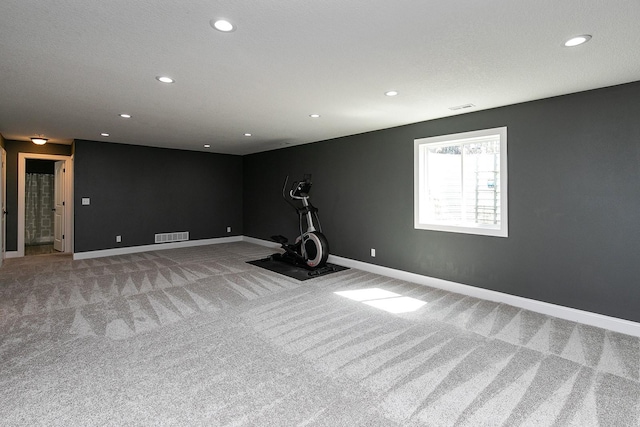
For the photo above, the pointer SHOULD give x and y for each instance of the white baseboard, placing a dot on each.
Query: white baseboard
(267, 243)
(567, 313)
(154, 247)
(12, 254)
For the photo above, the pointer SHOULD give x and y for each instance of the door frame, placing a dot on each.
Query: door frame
(68, 190)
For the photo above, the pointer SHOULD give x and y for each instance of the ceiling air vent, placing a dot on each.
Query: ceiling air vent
(461, 107)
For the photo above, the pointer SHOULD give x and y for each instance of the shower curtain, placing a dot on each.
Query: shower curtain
(39, 204)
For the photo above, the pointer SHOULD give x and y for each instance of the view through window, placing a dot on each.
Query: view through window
(461, 182)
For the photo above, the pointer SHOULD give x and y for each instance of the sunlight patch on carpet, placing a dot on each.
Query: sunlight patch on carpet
(383, 300)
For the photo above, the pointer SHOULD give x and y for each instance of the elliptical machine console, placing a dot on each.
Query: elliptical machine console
(311, 248)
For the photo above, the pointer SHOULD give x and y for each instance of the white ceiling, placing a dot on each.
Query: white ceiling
(68, 68)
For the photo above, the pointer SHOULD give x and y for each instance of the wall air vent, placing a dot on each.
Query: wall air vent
(461, 107)
(172, 237)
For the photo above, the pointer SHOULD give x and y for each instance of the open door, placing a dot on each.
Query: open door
(59, 208)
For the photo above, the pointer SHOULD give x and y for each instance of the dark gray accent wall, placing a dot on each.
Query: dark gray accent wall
(574, 198)
(13, 148)
(138, 191)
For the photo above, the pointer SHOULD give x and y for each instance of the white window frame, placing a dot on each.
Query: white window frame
(420, 182)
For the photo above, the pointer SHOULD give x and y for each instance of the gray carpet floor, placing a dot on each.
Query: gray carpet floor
(197, 336)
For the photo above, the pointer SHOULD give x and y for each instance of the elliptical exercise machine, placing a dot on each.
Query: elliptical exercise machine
(311, 248)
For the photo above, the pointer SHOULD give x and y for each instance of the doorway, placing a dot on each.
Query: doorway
(45, 204)
(39, 206)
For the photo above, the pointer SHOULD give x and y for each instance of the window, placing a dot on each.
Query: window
(461, 183)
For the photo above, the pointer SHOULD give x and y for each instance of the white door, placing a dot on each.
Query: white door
(3, 203)
(59, 216)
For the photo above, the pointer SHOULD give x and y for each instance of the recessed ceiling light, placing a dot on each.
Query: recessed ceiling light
(247, 134)
(461, 107)
(125, 116)
(207, 146)
(164, 79)
(578, 40)
(314, 116)
(222, 25)
(391, 93)
(104, 134)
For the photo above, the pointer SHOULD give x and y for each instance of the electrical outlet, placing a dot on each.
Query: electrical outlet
(118, 239)
(228, 229)
(373, 252)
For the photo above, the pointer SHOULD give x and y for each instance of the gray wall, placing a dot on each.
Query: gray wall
(574, 198)
(13, 148)
(138, 191)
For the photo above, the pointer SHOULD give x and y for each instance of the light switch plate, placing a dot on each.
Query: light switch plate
(86, 201)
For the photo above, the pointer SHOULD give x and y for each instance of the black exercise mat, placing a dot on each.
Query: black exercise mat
(298, 273)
